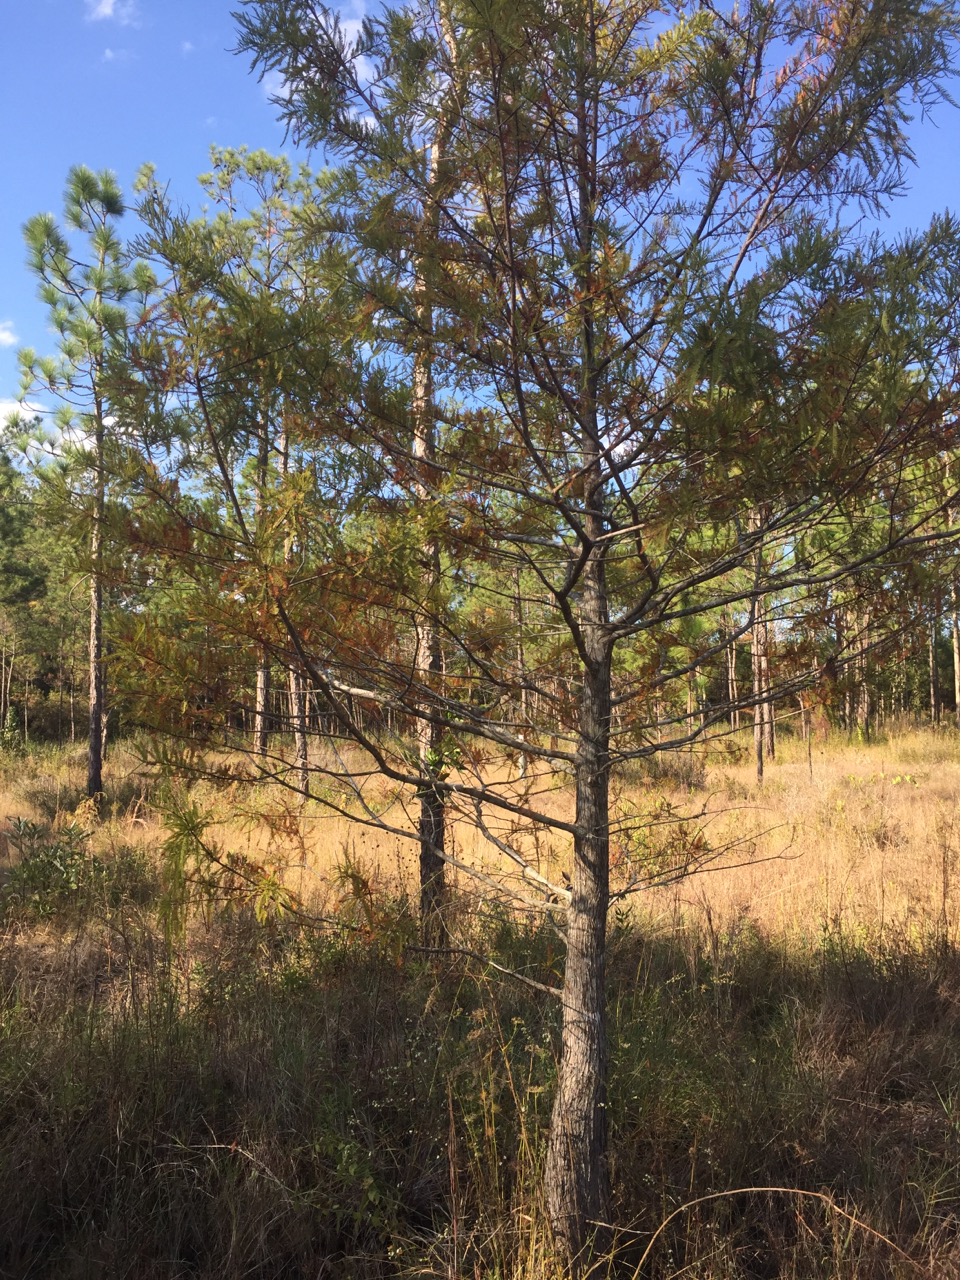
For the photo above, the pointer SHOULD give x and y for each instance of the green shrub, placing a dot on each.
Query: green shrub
(11, 739)
(57, 871)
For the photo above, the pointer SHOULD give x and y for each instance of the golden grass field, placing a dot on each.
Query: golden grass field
(261, 1097)
(859, 835)
(862, 835)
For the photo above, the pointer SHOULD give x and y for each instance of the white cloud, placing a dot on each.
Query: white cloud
(23, 410)
(186, 46)
(275, 86)
(122, 11)
(8, 336)
(351, 28)
(350, 20)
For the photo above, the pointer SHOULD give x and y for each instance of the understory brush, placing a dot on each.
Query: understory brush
(273, 1099)
(281, 1086)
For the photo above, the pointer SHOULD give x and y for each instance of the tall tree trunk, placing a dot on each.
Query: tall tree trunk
(13, 656)
(760, 677)
(861, 697)
(298, 720)
(935, 684)
(262, 705)
(575, 1171)
(262, 691)
(59, 693)
(757, 682)
(576, 1174)
(296, 688)
(522, 708)
(766, 688)
(428, 659)
(689, 718)
(98, 682)
(732, 690)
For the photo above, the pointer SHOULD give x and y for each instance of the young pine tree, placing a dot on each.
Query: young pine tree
(91, 293)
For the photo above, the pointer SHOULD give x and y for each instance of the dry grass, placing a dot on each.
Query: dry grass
(862, 836)
(266, 1100)
(856, 836)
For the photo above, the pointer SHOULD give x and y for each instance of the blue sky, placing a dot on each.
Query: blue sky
(110, 84)
(116, 83)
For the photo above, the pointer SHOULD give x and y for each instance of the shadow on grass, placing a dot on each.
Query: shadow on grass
(271, 1101)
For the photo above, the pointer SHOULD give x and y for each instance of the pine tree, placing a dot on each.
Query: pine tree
(90, 300)
(621, 212)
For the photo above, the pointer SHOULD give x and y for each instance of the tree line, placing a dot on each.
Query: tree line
(569, 415)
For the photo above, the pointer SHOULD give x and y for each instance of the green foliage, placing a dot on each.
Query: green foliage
(21, 577)
(198, 868)
(11, 734)
(565, 377)
(56, 869)
(58, 873)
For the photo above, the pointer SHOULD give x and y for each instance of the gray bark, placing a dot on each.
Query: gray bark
(428, 660)
(766, 689)
(262, 705)
(298, 718)
(576, 1173)
(576, 1170)
(732, 689)
(935, 687)
(98, 683)
(757, 690)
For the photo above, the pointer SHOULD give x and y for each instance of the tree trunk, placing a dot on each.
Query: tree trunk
(757, 686)
(298, 719)
(98, 683)
(263, 691)
(522, 708)
(59, 694)
(863, 700)
(575, 1171)
(262, 705)
(576, 1174)
(13, 656)
(732, 690)
(428, 659)
(760, 674)
(766, 688)
(432, 822)
(935, 687)
(296, 690)
(862, 691)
